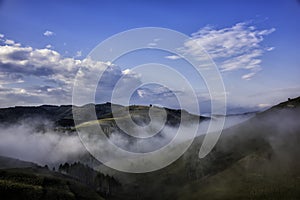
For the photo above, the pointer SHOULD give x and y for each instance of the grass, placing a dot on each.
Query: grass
(252, 177)
(28, 183)
(244, 164)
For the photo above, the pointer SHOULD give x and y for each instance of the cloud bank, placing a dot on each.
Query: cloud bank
(42, 76)
(31, 76)
(24, 142)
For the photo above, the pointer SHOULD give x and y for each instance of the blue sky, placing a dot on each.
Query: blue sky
(73, 28)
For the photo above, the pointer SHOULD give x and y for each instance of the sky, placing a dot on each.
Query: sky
(254, 44)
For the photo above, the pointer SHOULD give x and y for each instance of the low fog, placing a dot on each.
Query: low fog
(25, 142)
(276, 132)
(28, 141)
(168, 133)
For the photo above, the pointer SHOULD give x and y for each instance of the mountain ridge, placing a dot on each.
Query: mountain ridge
(62, 115)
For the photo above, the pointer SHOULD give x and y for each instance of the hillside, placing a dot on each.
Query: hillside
(6, 162)
(62, 116)
(59, 115)
(25, 180)
(257, 159)
(34, 183)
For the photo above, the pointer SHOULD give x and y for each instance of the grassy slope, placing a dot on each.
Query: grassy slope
(30, 183)
(252, 177)
(254, 160)
(140, 113)
(6, 162)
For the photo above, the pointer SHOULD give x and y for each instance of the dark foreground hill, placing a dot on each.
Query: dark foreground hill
(40, 183)
(26, 180)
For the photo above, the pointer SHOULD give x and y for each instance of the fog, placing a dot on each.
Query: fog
(168, 133)
(25, 142)
(274, 138)
(36, 141)
(284, 137)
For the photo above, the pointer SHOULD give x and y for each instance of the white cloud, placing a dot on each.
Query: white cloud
(48, 46)
(173, 57)
(233, 48)
(17, 45)
(9, 42)
(152, 44)
(244, 61)
(1, 35)
(48, 77)
(141, 93)
(46, 67)
(48, 33)
(248, 76)
(126, 71)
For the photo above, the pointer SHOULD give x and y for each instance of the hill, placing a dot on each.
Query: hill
(40, 183)
(25, 180)
(62, 116)
(6, 162)
(257, 159)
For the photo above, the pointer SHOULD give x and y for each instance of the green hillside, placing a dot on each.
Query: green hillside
(257, 159)
(30, 183)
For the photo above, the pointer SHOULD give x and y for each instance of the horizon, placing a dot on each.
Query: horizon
(203, 114)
